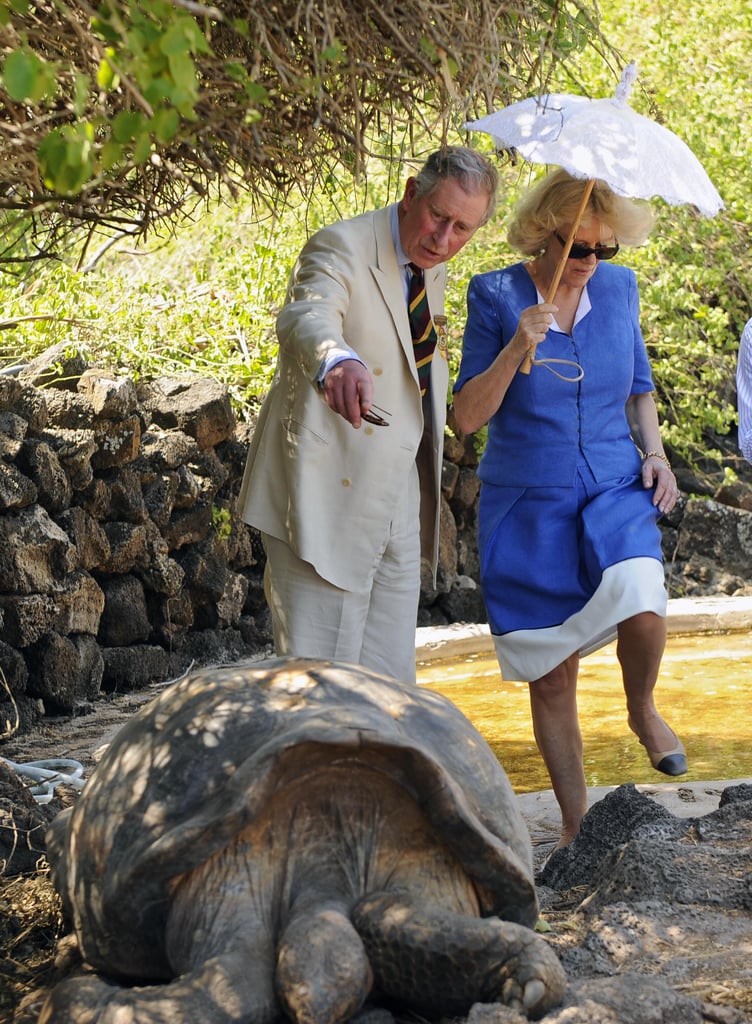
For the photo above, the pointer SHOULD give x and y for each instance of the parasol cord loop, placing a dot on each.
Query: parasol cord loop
(546, 363)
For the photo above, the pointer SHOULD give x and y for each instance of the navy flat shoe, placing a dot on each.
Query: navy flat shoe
(672, 763)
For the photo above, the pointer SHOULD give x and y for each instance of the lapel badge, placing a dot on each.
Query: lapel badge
(442, 335)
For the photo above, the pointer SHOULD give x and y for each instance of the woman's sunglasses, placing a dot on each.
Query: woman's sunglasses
(581, 252)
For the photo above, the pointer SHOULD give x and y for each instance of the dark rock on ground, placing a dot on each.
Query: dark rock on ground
(650, 913)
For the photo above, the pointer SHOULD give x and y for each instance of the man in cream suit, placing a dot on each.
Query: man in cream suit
(344, 471)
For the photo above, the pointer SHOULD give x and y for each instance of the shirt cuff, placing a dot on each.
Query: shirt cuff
(332, 359)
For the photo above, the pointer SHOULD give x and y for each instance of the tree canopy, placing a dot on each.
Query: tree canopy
(122, 114)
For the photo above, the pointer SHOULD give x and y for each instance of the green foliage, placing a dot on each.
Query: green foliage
(26, 77)
(119, 113)
(148, 51)
(222, 522)
(202, 302)
(206, 300)
(66, 158)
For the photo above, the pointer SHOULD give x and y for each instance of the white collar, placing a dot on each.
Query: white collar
(583, 308)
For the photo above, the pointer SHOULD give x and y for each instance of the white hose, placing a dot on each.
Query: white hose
(46, 775)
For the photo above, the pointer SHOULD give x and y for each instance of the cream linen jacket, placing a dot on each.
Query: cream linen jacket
(312, 480)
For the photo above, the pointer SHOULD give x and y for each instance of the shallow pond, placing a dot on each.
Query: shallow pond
(703, 692)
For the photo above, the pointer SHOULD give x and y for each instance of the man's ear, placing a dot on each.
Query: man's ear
(411, 190)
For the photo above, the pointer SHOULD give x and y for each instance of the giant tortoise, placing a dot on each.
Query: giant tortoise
(297, 839)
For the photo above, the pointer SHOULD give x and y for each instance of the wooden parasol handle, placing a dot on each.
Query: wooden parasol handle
(527, 362)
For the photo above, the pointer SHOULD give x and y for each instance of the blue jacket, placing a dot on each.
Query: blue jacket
(546, 426)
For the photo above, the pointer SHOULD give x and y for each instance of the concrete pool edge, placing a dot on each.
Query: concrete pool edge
(682, 799)
(685, 615)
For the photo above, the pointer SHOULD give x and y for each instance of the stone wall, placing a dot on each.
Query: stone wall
(120, 560)
(123, 562)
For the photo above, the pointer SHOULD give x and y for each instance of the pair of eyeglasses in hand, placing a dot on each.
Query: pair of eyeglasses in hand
(372, 416)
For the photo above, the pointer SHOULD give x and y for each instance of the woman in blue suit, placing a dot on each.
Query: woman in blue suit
(574, 476)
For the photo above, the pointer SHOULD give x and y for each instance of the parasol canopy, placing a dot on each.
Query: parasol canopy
(605, 139)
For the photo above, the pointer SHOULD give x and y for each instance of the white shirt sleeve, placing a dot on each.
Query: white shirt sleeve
(744, 391)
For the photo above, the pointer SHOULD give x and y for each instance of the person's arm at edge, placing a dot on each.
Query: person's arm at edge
(744, 391)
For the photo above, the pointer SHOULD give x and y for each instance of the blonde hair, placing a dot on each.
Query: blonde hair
(554, 202)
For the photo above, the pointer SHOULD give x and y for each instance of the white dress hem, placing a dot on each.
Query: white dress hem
(627, 588)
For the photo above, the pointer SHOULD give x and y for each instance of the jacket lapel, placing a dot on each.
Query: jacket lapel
(389, 280)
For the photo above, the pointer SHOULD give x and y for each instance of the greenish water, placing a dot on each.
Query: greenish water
(703, 692)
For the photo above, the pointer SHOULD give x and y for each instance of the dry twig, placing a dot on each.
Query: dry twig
(342, 79)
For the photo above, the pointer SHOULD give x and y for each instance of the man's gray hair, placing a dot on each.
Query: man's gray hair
(473, 171)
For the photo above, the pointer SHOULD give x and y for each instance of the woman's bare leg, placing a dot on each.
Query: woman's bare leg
(553, 700)
(640, 647)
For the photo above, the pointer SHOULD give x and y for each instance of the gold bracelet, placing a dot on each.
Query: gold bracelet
(658, 455)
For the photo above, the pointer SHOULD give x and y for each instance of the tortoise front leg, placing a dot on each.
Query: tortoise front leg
(323, 974)
(441, 963)
(220, 991)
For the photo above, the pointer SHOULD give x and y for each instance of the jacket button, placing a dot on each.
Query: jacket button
(377, 371)
(346, 482)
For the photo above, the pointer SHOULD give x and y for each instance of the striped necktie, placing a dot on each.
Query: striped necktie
(421, 327)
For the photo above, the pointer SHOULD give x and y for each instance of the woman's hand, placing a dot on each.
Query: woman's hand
(532, 327)
(657, 474)
(656, 469)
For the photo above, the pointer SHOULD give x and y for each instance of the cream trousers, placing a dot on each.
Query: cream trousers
(373, 627)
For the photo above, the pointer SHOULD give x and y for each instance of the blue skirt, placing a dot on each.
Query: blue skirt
(561, 566)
